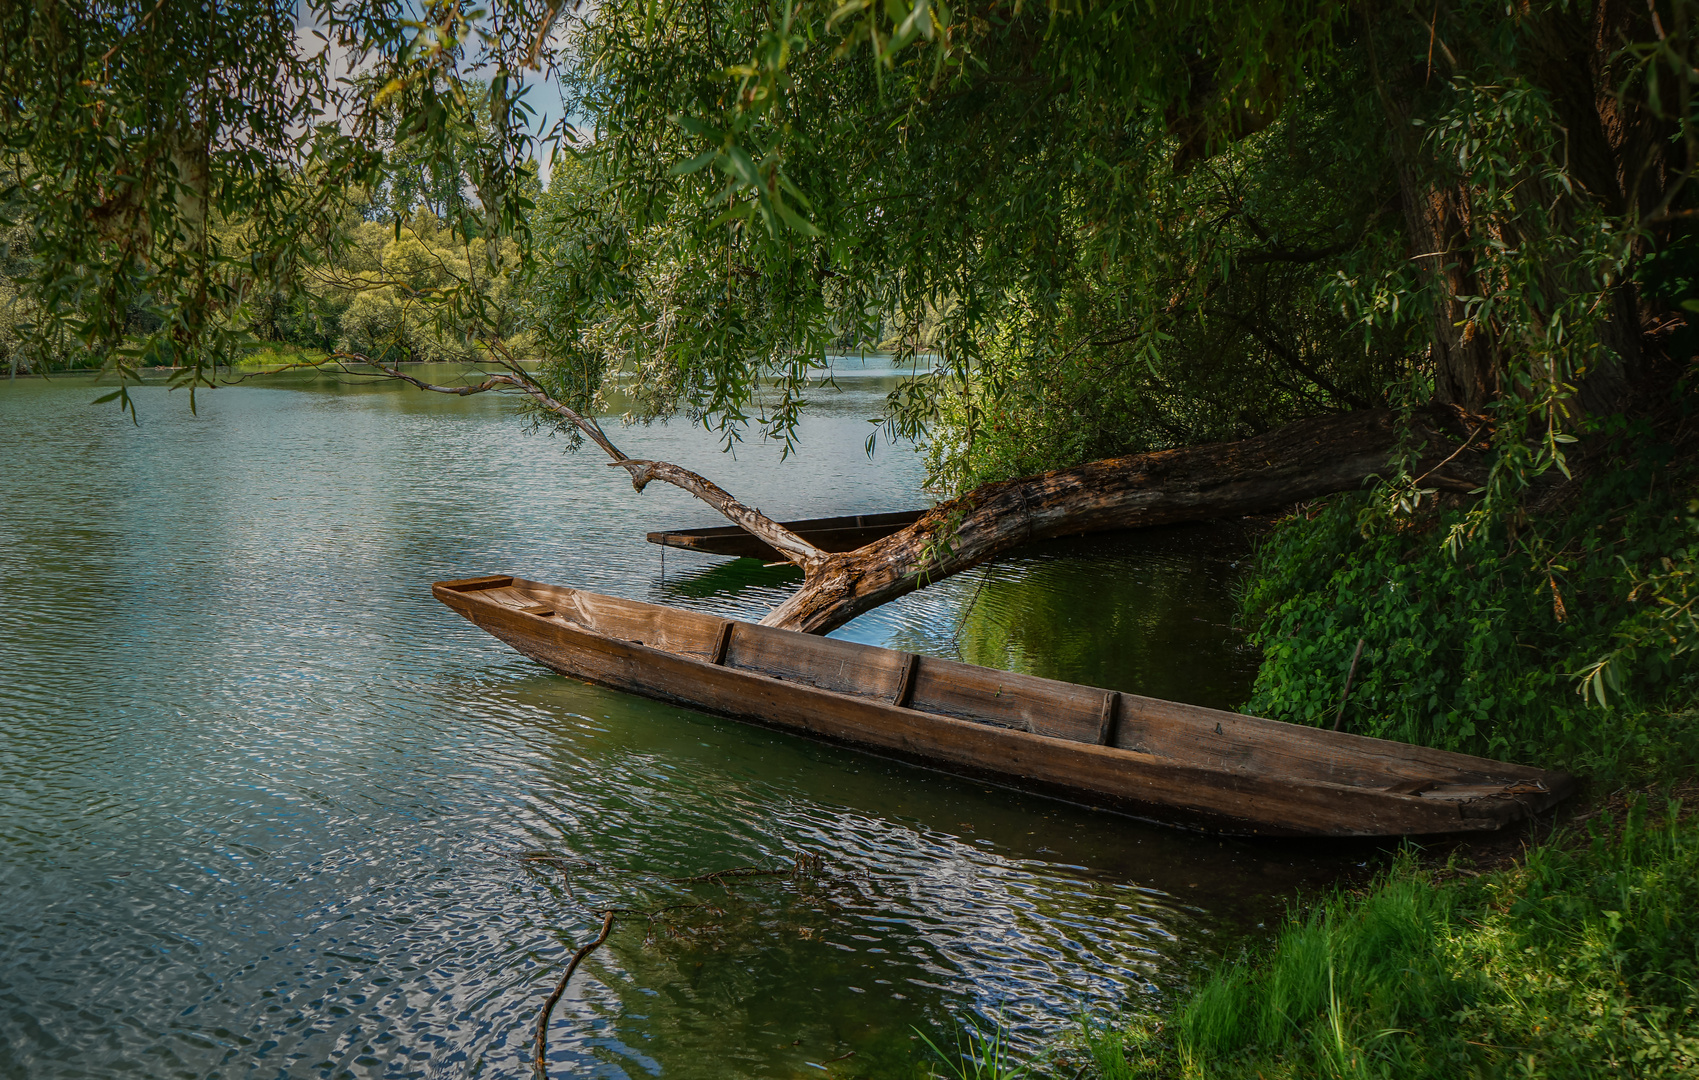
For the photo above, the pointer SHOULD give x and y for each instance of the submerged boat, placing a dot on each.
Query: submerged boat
(827, 534)
(1206, 768)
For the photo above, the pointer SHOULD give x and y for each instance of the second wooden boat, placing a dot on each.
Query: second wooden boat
(1206, 768)
(828, 534)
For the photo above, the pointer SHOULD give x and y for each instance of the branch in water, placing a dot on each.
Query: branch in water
(560, 988)
(781, 539)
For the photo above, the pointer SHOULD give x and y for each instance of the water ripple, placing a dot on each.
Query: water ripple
(267, 804)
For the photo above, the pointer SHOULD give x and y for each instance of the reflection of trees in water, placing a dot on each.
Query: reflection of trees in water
(1154, 623)
(780, 965)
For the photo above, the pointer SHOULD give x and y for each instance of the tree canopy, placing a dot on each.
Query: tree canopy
(1121, 227)
(168, 165)
(1106, 227)
(1116, 226)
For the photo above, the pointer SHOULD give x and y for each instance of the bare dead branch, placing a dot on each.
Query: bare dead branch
(560, 988)
(515, 378)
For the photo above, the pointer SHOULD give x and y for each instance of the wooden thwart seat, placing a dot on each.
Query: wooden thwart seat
(1226, 770)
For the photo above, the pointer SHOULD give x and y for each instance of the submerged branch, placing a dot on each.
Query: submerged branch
(560, 988)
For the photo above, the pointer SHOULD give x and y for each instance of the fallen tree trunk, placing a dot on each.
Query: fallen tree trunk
(1305, 460)
(1301, 461)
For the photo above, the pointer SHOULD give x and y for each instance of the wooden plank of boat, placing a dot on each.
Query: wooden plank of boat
(1216, 770)
(828, 534)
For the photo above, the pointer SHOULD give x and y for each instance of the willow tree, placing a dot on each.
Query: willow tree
(1397, 236)
(171, 162)
(1247, 253)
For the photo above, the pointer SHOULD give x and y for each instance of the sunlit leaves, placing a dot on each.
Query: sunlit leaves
(987, 168)
(139, 132)
(756, 187)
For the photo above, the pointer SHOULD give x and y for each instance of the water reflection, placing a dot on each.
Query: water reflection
(267, 803)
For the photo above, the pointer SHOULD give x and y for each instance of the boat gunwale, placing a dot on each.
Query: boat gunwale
(1507, 806)
(1433, 760)
(734, 541)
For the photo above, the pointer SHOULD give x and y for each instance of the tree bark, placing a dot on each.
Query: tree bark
(1305, 460)
(1616, 149)
(1269, 472)
(515, 378)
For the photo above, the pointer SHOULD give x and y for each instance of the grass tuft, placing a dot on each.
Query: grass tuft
(1581, 962)
(979, 1055)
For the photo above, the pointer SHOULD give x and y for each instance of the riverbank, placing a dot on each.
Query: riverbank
(257, 360)
(1576, 960)
(1570, 949)
(291, 356)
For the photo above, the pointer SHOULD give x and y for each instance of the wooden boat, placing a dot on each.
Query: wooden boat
(827, 534)
(1221, 771)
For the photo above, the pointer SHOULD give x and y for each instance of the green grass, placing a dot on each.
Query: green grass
(1581, 962)
(977, 1055)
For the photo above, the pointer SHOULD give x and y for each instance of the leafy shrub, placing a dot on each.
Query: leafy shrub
(1481, 646)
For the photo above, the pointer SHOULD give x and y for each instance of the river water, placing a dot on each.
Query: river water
(272, 811)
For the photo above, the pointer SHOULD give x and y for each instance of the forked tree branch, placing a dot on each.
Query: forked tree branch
(793, 547)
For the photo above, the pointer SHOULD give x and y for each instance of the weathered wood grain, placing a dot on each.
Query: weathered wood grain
(1219, 770)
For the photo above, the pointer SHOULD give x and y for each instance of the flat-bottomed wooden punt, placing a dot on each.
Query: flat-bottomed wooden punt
(827, 534)
(1217, 770)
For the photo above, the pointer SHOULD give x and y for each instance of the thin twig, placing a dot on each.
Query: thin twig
(1349, 676)
(956, 635)
(560, 988)
(1478, 429)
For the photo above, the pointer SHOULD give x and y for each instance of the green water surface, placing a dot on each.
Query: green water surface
(271, 811)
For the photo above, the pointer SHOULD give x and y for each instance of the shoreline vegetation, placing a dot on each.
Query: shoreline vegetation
(284, 355)
(1569, 949)
(1128, 232)
(258, 359)
(1574, 958)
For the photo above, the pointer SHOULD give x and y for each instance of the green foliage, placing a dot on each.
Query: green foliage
(390, 294)
(611, 297)
(24, 349)
(1582, 962)
(177, 166)
(276, 356)
(1480, 645)
(1116, 226)
(978, 1055)
(1116, 1056)
(994, 188)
